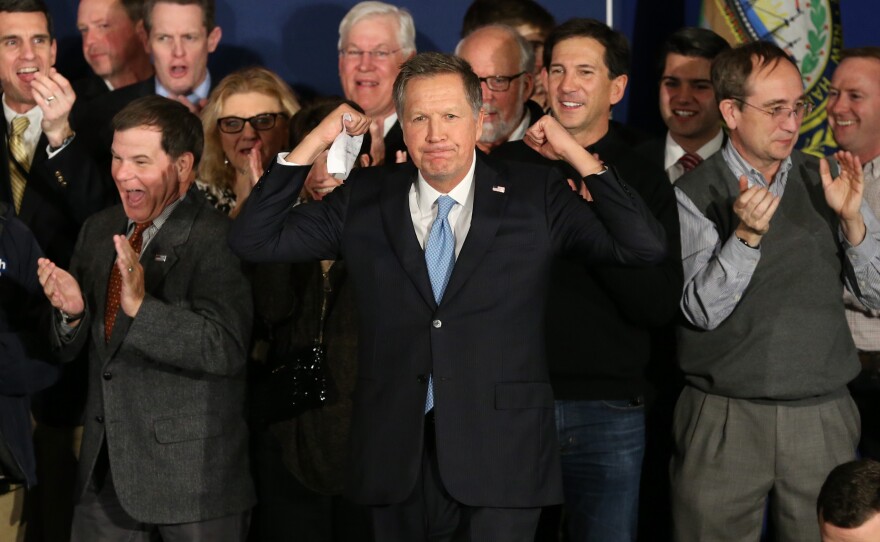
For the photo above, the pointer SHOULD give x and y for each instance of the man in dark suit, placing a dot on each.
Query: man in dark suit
(687, 102)
(452, 430)
(36, 105)
(166, 317)
(504, 62)
(180, 36)
(374, 39)
(113, 46)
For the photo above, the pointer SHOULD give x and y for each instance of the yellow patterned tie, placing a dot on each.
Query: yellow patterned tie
(18, 160)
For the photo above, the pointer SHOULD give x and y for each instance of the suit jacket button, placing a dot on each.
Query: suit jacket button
(99, 419)
(107, 375)
(60, 178)
(437, 324)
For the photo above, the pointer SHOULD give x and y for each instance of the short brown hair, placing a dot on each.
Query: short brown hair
(617, 52)
(431, 64)
(208, 11)
(732, 68)
(29, 6)
(869, 51)
(181, 129)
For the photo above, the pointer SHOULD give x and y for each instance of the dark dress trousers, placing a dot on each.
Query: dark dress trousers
(493, 405)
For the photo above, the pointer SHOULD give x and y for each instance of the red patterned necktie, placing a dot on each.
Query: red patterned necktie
(689, 161)
(114, 287)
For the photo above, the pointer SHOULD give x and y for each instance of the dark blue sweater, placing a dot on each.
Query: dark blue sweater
(24, 345)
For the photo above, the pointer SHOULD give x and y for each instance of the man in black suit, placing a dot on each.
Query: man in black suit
(452, 432)
(687, 102)
(113, 46)
(165, 312)
(606, 325)
(504, 62)
(180, 36)
(374, 39)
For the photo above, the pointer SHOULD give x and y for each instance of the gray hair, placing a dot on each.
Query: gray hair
(431, 64)
(526, 50)
(406, 28)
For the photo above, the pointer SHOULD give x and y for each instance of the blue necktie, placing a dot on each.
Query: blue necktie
(440, 257)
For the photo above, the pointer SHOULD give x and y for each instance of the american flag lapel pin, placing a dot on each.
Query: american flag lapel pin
(499, 189)
(161, 257)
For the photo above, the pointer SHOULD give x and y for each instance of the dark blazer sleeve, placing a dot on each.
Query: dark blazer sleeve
(87, 188)
(650, 295)
(625, 233)
(263, 232)
(24, 351)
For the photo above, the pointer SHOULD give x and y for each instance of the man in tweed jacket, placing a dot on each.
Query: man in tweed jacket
(165, 443)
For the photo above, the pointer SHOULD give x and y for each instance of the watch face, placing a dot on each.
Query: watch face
(809, 30)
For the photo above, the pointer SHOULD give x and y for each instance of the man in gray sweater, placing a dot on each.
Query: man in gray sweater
(768, 236)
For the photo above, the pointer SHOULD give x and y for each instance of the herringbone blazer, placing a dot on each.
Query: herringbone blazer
(167, 393)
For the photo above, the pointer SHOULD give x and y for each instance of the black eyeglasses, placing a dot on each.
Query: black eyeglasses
(780, 113)
(499, 83)
(261, 122)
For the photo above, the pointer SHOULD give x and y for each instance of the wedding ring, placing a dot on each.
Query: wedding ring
(131, 269)
(49, 99)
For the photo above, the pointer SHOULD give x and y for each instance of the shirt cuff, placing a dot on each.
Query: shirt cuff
(862, 254)
(280, 159)
(740, 257)
(50, 153)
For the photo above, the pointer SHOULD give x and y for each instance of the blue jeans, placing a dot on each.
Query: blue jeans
(602, 444)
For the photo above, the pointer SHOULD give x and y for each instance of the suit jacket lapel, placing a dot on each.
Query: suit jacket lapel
(489, 204)
(158, 258)
(398, 225)
(101, 268)
(6, 184)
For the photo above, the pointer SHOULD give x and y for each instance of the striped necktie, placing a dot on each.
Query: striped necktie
(689, 161)
(19, 161)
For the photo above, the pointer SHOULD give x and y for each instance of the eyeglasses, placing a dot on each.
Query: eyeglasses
(261, 122)
(499, 83)
(780, 113)
(378, 55)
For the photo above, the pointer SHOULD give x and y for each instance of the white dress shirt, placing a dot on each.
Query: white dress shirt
(423, 207)
(674, 152)
(34, 130)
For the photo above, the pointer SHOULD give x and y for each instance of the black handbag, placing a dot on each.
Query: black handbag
(298, 380)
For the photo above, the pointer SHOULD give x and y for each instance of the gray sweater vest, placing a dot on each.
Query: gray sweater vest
(787, 339)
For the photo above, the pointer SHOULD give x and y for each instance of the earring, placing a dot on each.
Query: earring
(225, 161)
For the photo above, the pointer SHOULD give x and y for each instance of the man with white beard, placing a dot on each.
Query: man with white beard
(504, 61)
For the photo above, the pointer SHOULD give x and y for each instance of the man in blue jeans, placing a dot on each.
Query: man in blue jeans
(602, 322)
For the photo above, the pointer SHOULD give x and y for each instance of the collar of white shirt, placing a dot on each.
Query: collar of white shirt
(198, 93)
(426, 195)
(34, 129)
(674, 150)
(389, 122)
